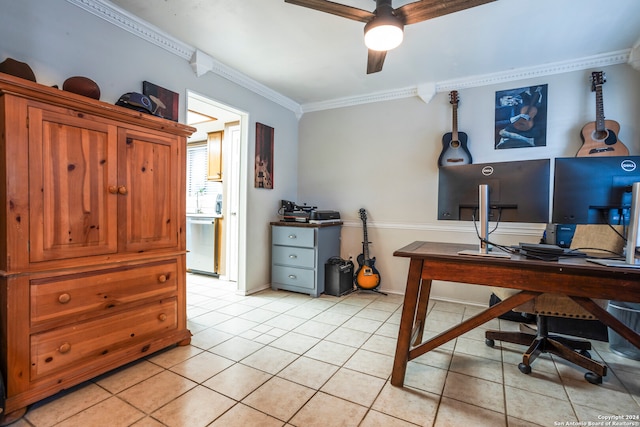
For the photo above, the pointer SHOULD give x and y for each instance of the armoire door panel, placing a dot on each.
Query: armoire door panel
(73, 163)
(148, 166)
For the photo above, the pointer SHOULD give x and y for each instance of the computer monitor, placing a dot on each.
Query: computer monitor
(518, 191)
(594, 190)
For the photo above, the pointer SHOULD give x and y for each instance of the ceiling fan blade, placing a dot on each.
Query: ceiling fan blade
(375, 60)
(335, 9)
(426, 9)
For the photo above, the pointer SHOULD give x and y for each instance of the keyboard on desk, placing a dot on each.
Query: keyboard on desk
(546, 252)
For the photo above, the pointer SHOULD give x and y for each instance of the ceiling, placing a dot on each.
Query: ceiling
(310, 56)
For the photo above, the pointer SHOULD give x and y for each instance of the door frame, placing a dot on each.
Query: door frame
(236, 260)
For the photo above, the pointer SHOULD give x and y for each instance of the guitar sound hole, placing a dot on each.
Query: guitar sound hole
(600, 135)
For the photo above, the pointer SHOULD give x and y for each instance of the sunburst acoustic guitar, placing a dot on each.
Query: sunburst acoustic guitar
(600, 138)
(454, 143)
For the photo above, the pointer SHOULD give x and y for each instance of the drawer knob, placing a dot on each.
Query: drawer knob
(112, 189)
(64, 298)
(292, 276)
(64, 348)
(162, 278)
(122, 189)
(162, 317)
(293, 256)
(293, 236)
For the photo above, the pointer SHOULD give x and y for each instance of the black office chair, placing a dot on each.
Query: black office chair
(540, 341)
(608, 239)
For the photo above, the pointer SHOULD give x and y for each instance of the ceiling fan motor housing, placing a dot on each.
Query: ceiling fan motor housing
(387, 21)
(385, 30)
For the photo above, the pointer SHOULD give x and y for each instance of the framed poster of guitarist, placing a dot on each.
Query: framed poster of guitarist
(521, 117)
(264, 157)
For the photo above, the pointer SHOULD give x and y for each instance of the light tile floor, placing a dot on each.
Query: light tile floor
(286, 359)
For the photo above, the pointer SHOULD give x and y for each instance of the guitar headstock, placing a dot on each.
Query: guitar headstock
(453, 97)
(597, 79)
(363, 215)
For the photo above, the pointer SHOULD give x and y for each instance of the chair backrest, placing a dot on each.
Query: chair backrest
(593, 238)
(598, 238)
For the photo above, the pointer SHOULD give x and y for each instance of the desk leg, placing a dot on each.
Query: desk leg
(406, 322)
(421, 312)
(605, 317)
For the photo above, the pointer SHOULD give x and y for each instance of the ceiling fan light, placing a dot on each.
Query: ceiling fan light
(385, 36)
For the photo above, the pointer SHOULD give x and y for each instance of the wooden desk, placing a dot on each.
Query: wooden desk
(574, 277)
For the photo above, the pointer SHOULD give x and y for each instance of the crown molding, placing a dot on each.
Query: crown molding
(129, 22)
(389, 95)
(634, 56)
(203, 63)
(612, 58)
(585, 63)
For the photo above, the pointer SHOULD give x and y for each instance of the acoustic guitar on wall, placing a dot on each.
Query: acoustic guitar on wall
(600, 138)
(366, 277)
(454, 143)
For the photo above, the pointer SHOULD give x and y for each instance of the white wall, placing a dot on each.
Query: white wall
(378, 156)
(59, 40)
(383, 157)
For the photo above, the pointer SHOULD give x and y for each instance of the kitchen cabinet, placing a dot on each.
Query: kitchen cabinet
(214, 148)
(299, 252)
(92, 239)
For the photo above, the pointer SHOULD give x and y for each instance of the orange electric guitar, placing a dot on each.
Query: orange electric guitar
(367, 277)
(600, 138)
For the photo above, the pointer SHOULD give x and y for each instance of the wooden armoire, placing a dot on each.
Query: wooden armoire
(92, 238)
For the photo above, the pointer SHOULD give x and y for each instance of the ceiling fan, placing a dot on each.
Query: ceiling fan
(384, 27)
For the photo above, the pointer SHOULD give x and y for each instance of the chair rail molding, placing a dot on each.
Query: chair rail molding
(463, 227)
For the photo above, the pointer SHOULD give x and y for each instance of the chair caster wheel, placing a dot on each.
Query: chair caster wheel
(525, 369)
(489, 342)
(593, 378)
(585, 353)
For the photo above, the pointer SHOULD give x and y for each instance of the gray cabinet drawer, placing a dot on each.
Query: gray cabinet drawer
(290, 276)
(293, 236)
(294, 256)
(298, 255)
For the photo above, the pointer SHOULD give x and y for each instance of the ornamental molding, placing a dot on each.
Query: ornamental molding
(203, 63)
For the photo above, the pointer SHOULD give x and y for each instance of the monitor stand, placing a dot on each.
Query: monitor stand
(484, 249)
(632, 237)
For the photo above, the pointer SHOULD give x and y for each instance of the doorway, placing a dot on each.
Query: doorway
(214, 186)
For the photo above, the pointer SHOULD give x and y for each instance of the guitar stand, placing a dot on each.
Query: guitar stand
(359, 289)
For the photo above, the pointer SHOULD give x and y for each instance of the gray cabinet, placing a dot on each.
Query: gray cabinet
(298, 255)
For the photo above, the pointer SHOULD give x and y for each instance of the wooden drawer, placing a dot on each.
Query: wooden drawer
(290, 276)
(96, 293)
(293, 236)
(75, 345)
(293, 256)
